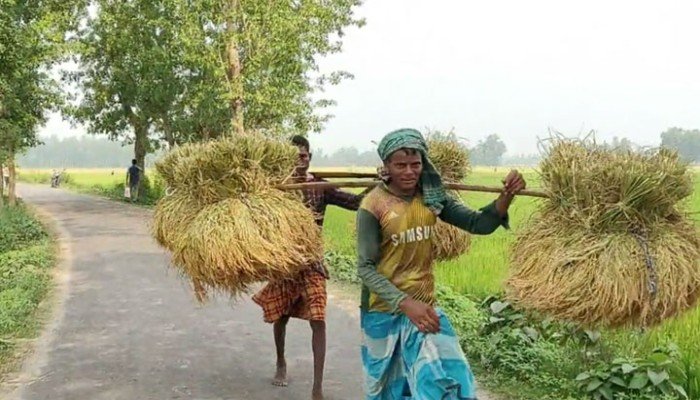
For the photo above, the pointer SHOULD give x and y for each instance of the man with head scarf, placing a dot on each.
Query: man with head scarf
(410, 350)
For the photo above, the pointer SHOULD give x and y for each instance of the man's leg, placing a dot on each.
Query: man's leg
(279, 328)
(437, 367)
(313, 308)
(318, 345)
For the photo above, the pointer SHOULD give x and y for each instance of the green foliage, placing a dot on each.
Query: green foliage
(32, 35)
(525, 348)
(462, 312)
(178, 84)
(17, 228)
(19, 268)
(650, 378)
(342, 267)
(26, 256)
(34, 177)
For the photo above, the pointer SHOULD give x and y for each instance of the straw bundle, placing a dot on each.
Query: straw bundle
(449, 242)
(239, 241)
(171, 216)
(225, 168)
(612, 245)
(166, 165)
(449, 156)
(451, 159)
(224, 222)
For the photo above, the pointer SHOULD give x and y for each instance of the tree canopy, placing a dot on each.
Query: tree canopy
(201, 66)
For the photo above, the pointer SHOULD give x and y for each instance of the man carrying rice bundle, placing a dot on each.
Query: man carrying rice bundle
(410, 350)
(304, 297)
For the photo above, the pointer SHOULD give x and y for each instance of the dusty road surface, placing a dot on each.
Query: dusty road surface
(126, 328)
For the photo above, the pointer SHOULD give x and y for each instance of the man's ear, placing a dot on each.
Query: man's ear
(311, 156)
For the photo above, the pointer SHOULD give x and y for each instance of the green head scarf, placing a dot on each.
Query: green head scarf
(434, 194)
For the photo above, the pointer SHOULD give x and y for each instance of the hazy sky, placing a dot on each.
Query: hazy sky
(516, 68)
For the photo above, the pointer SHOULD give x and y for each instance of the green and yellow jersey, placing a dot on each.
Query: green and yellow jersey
(394, 245)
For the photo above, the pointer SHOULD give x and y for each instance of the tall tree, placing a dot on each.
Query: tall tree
(489, 151)
(125, 78)
(32, 33)
(686, 142)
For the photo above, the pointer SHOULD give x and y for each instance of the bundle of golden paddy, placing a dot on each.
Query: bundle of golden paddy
(612, 245)
(451, 159)
(223, 220)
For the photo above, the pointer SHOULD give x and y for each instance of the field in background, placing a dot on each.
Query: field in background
(86, 178)
(478, 274)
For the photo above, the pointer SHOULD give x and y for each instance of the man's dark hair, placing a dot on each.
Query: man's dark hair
(133, 162)
(301, 141)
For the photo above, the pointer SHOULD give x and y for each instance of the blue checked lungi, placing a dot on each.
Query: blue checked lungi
(401, 363)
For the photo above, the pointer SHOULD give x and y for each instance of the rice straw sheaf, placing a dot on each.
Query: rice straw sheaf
(213, 171)
(449, 156)
(166, 165)
(449, 242)
(172, 214)
(263, 236)
(612, 246)
(451, 159)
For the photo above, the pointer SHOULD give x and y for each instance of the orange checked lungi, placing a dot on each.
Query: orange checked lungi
(304, 297)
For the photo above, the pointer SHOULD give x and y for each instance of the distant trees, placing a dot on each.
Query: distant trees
(623, 144)
(79, 152)
(488, 151)
(686, 142)
(346, 157)
(91, 151)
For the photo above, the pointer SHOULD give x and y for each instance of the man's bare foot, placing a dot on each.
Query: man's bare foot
(317, 394)
(280, 378)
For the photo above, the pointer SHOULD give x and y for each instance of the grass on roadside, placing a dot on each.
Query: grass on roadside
(27, 255)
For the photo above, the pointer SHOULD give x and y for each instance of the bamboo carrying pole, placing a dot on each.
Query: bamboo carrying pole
(366, 184)
(343, 174)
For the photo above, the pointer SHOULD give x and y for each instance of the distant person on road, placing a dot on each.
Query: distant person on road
(55, 178)
(133, 176)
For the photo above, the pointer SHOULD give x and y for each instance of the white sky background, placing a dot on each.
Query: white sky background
(625, 68)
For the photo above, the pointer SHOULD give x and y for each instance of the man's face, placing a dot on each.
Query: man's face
(303, 161)
(404, 169)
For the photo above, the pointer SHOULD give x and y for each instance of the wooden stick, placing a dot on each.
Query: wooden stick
(488, 189)
(343, 174)
(365, 184)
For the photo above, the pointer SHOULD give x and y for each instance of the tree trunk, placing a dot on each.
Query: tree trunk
(140, 142)
(234, 70)
(2, 186)
(11, 190)
(168, 131)
(170, 139)
(140, 151)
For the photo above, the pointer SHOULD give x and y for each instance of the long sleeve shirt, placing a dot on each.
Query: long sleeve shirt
(319, 199)
(394, 245)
